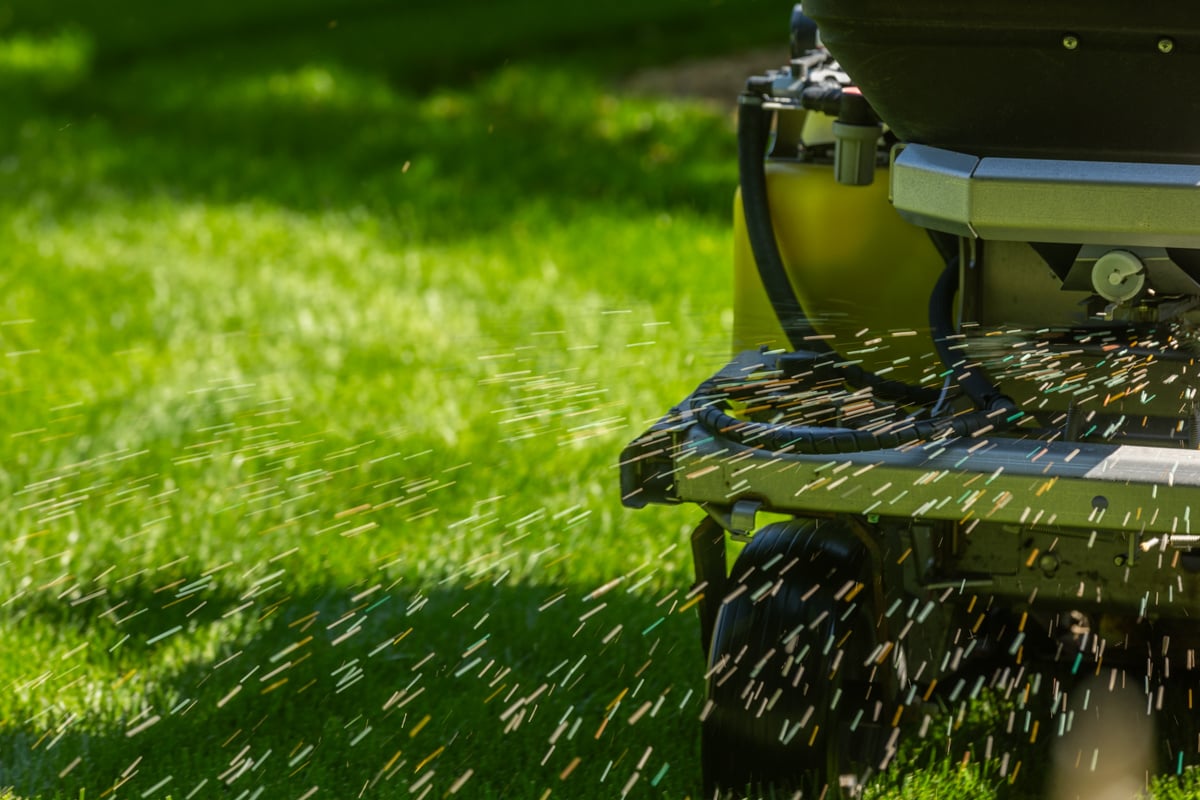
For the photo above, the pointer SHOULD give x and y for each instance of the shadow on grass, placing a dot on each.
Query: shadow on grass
(438, 132)
(418, 44)
(366, 692)
(442, 168)
(507, 689)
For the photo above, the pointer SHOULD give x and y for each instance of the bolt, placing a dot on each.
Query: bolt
(1119, 560)
(1049, 563)
(1070, 41)
(872, 518)
(1166, 45)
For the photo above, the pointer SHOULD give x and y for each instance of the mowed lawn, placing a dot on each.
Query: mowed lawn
(320, 334)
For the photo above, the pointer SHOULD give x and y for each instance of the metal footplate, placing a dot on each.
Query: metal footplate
(1018, 516)
(1142, 490)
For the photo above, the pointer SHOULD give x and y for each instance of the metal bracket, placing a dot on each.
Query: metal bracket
(739, 519)
(1163, 274)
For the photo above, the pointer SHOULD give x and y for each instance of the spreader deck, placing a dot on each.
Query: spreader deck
(1004, 515)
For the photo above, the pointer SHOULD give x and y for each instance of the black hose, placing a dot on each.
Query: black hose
(983, 393)
(754, 123)
(827, 367)
(816, 439)
(994, 411)
(754, 128)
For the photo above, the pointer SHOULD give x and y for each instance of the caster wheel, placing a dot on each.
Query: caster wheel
(786, 670)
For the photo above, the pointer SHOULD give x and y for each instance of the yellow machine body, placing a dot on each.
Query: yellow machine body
(862, 274)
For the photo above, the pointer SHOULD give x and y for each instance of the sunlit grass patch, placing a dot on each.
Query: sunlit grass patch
(242, 412)
(45, 61)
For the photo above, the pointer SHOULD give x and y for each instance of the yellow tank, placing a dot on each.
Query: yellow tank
(860, 271)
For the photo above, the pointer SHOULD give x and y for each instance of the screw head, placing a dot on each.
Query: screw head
(1119, 560)
(1166, 45)
(1070, 41)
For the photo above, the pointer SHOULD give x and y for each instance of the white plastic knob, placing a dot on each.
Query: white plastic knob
(1118, 275)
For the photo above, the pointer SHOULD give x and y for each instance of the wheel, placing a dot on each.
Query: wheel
(790, 667)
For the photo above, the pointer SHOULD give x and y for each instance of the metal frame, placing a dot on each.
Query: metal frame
(1047, 200)
(1066, 522)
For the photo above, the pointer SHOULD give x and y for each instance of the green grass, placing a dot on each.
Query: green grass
(319, 344)
(316, 364)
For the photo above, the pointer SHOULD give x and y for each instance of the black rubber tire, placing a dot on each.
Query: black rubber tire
(776, 723)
